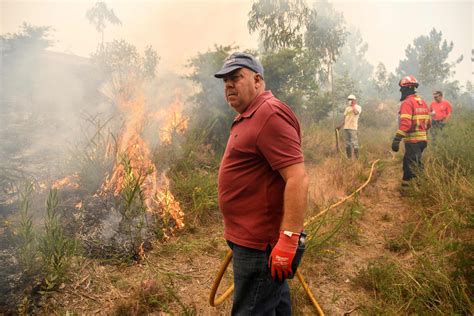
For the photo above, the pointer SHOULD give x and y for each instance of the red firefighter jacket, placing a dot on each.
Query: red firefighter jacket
(414, 120)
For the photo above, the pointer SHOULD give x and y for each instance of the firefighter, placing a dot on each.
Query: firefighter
(414, 122)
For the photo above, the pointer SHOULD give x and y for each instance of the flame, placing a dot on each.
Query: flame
(156, 195)
(71, 181)
(173, 121)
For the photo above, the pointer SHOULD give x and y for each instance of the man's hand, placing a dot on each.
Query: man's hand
(282, 256)
(396, 143)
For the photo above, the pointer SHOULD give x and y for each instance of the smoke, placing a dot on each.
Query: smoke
(43, 96)
(52, 108)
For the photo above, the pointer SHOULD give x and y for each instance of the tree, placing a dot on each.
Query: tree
(324, 39)
(123, 68)
(427, 60)
(472, 57)
(210, 112)
(344, 86)
(288, 78)
(300, 47)
(150, 62)
(353, 64)
(31, 39)
(382, 80)
(325, 34)
(99, 15)
(20, 53)
(279, 22)
(466, 99)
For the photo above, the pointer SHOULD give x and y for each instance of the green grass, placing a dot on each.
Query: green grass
(55, 247)
(421, 288)
(437, 278)
(27, 243)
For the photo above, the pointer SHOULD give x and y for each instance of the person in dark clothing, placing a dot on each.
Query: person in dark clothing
(414, 122)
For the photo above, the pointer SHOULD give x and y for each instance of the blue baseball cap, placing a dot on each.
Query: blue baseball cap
(239, 60)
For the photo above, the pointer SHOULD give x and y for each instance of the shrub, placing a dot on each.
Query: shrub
(454, 146)
(55, 248)
(26, 250)
(132, 209)
(93, 158)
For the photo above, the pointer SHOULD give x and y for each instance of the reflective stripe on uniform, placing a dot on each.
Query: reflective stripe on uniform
(416, 136)
(400, 132)
(421, 117)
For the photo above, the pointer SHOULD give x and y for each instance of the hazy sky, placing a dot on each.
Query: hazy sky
(178, 29)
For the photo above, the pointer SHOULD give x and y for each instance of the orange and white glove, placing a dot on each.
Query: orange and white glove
(282, 255)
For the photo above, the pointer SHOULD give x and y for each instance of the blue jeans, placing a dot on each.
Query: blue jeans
(255, 292)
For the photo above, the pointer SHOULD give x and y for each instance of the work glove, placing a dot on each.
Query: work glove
(282, 256)
(396, 143)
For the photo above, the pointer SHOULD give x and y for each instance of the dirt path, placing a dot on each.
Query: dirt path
(382, 215)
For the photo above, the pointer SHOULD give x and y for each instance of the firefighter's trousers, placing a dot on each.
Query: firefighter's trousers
(412, 160)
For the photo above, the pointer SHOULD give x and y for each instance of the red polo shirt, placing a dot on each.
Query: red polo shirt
(441, 109)
(263, 139)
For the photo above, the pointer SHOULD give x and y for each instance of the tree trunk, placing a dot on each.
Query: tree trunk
(102, 43)
(333, 104)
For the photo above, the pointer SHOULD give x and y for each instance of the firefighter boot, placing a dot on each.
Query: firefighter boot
(349, 152)
(404, 189)
(356, 153)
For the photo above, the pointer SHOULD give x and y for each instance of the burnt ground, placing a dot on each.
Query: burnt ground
(176, 277)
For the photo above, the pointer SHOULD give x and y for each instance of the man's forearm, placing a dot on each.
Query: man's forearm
(295, 202)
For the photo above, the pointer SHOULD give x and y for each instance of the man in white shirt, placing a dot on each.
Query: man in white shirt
(350, 124)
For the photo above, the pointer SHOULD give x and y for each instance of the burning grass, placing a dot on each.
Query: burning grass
(193, 167)
(134, 164)
(115, 202)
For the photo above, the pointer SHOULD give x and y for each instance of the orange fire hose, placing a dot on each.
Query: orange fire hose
(212, 297)
(228, 257)
(212, 301)
(338, 148)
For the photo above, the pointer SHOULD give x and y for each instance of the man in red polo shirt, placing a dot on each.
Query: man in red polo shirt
(262, 189)
(440, 110)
